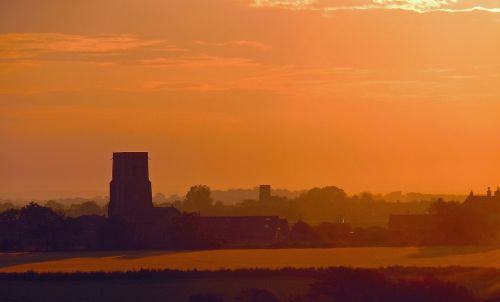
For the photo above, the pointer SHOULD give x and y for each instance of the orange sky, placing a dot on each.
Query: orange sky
(377, 95)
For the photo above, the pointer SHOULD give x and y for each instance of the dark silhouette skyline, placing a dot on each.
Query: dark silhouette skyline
(321, 217)
(131, 200)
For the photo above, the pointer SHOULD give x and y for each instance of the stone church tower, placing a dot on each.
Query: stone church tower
(130, 188)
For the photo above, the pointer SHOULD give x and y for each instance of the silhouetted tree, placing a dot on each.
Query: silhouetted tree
(302, 234)
(321, 203)
(198, 198)
(10, 233)
(54, 205)
(366, 197)
(85, 208)
(34, 227)
(330, 193)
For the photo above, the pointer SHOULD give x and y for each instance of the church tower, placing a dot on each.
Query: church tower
(264, 193)
(130, 188)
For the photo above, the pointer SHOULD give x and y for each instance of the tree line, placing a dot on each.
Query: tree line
(326, 204)
(39, 228)
(43, 228)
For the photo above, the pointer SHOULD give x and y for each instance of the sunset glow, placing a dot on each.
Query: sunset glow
(378, 95)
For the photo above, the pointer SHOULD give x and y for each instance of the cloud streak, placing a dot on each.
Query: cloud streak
(19, 48)
(30, 49)
(419, 6)
(238, 43)
(58, 42)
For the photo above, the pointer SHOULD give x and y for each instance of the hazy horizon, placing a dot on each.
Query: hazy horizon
(89, 195)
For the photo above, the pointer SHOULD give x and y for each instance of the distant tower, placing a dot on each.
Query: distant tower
(497, 192)
(488, 193)
(264, 192)
(130, 188)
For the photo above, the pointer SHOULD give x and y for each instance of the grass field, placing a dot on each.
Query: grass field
(261, 258)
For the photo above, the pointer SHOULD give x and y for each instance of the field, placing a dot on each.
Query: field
(261, 258)
(481, 280)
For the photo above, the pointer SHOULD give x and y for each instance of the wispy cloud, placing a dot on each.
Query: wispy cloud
(420, 6)
(23, 48)
(199, 60)
(291, 4)
(30, 49)
(16, 45)
(239, 43)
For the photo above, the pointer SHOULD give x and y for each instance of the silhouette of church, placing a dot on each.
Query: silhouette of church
(130, 190)
(490, 197)
(131, 199)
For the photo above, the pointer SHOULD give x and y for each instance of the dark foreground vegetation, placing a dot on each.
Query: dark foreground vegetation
(326, 204)
(37, 228)
(287, 285)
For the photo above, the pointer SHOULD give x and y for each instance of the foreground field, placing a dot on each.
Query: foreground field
(262, 258)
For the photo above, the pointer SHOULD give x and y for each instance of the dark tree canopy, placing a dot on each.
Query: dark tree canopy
(198, 198)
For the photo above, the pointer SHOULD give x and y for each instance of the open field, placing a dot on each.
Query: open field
(261, 258)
